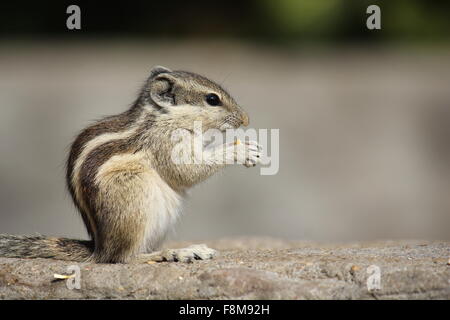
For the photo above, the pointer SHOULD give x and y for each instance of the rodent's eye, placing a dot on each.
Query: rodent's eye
(212, 99)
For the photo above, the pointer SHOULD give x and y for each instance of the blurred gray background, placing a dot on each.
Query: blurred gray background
(364, 127)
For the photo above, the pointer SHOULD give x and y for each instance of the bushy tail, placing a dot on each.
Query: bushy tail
(12, 246)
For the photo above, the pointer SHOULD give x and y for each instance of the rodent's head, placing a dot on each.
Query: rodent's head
(181, 94)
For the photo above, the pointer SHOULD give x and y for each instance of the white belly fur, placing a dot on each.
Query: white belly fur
(163, 206)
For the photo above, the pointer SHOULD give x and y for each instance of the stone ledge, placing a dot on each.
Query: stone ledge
(249, 268)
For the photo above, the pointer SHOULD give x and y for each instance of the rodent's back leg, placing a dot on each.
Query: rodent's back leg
(121, 208)
(188, 254)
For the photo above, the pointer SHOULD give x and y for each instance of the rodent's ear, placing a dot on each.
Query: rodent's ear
(158, 70)
(161, 90)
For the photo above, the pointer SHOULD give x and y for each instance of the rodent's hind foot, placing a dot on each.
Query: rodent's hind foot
(186, 255)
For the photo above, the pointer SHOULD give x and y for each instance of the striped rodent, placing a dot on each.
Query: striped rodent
(124, 182)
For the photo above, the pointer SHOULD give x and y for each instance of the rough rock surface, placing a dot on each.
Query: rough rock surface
(249, 268)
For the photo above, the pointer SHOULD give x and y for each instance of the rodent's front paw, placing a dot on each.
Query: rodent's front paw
(248, 153)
